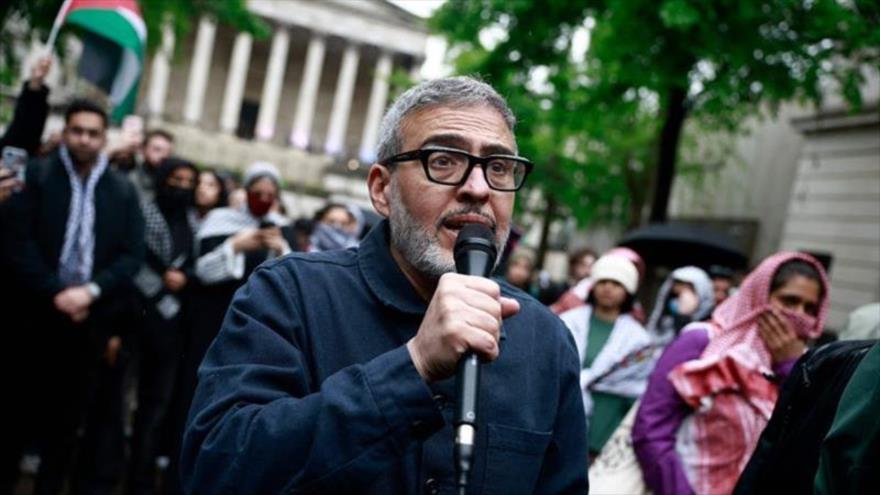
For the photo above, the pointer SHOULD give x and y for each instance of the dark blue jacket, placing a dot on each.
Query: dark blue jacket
(309, 388)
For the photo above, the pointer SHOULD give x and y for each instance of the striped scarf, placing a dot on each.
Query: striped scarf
(78, 250)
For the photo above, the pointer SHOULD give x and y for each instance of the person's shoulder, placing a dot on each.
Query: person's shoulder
(691, 342)
(43, 170)
(577, 313)
(316, 262)
(521, 296)
(120, 181)
(39, 166)
(633, 324)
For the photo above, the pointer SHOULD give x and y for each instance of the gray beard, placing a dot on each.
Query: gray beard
(419, 247)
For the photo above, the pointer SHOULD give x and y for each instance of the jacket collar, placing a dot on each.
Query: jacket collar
(382, 274)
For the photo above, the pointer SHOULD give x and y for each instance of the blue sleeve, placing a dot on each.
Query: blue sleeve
(258, 425)
(565, 465)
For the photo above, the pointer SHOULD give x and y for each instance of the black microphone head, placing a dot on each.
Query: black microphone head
(475, 250)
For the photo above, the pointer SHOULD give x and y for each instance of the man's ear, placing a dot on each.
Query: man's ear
(379, 185)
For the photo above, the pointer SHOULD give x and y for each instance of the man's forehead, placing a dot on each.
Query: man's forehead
(86, 119)
(458, 126)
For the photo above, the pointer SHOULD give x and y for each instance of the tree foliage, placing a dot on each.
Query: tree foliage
(606, 130)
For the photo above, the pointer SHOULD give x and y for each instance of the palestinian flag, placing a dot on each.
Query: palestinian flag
(114, 41)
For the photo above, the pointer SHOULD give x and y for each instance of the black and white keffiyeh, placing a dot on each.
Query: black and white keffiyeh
(230, 221)
(78, 251)
(157, 234)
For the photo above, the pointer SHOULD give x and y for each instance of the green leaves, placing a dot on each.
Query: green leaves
(597, 121)
(678, 14)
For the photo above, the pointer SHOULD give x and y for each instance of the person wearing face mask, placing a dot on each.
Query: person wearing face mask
(714, 387)
(231, 242)
(685, 296)
(333, 229)
(162, 283)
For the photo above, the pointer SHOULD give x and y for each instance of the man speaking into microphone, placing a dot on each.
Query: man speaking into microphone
(334, 372)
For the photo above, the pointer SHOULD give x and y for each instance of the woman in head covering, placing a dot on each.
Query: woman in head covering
(162, 282)
(714, 388)
(685, 296)
(233, 241)
(608, 339)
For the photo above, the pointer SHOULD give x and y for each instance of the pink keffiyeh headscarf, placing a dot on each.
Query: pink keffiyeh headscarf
(728, 385)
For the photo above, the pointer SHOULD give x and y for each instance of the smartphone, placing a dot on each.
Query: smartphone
(266, 224)
(15, 159)
(133, 129)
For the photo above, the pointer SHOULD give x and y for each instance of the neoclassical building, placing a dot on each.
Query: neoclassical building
(309, 98)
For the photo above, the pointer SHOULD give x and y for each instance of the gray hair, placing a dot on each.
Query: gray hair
(456, 91)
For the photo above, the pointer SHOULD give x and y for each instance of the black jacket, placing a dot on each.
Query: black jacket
(26, 128)
(787, 455)
(38, 238)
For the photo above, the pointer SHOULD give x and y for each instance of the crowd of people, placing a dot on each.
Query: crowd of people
(677, 400)
(126, 271)
(117, 270)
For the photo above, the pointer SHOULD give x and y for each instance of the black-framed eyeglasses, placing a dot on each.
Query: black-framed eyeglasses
(452, 167)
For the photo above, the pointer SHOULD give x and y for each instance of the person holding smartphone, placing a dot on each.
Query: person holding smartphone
(9, 182)
(23, 134)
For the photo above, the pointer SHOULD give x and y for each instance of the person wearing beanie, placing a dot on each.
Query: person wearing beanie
(609, 343)
(576, 295)
(231, 242)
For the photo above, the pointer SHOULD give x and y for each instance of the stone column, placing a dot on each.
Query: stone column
(272, 85)
(378, 98)
(342, 100)
(198, 71)
(308, 92)
(160, 71)
(235, 82)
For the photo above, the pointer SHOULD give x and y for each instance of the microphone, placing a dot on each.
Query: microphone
(474, 254)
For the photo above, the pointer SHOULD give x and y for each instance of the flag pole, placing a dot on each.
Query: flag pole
(56, 26)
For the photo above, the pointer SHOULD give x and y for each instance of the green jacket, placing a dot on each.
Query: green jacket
(849, 461)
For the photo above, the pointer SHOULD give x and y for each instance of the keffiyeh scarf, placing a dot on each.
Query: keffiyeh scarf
(728, 385)
(77, 253)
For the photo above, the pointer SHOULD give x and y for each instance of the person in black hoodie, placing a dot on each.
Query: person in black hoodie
(162, 283)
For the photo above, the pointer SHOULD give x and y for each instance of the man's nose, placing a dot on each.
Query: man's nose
(475, 187)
